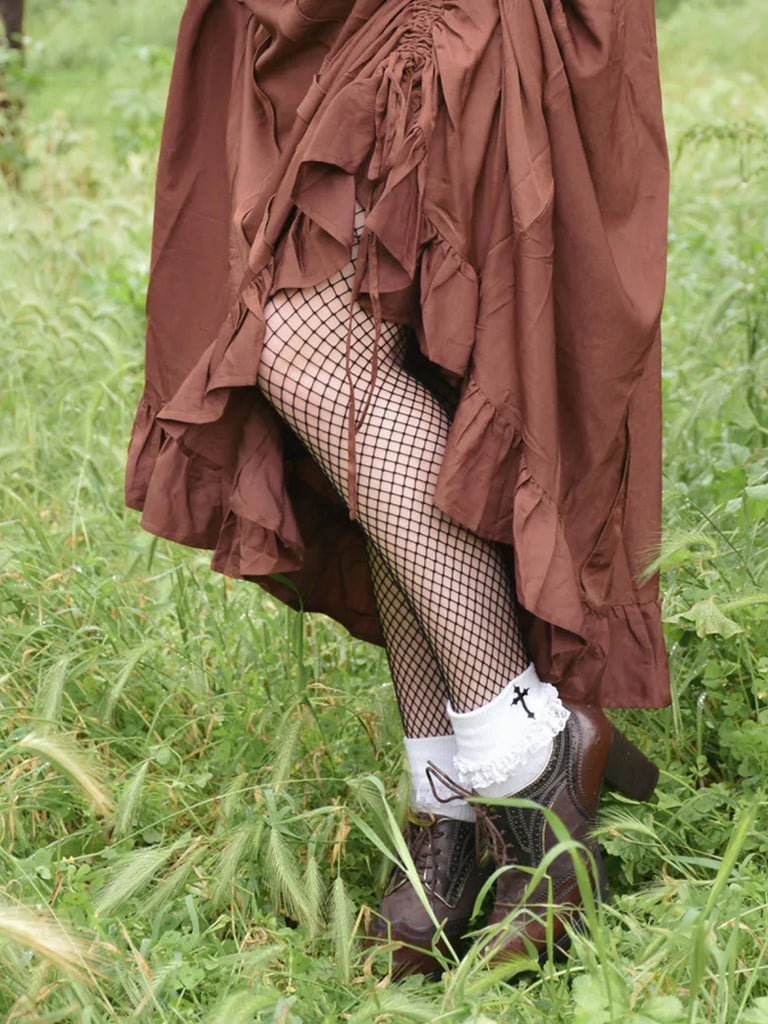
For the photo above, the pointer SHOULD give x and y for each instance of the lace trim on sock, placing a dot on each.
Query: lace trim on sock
(550, 720)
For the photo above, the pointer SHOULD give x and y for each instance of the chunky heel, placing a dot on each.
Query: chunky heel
(629, 770)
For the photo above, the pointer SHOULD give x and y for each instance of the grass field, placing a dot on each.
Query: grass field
(188, 769)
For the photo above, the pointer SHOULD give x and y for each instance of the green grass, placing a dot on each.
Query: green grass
(187, 767)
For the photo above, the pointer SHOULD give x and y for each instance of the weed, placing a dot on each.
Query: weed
(189, 827)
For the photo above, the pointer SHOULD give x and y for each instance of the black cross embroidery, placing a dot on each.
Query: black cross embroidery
(520, 696)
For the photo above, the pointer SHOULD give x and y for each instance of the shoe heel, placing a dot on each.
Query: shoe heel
(629, 770)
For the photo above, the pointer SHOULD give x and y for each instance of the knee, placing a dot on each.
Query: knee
(290, 372)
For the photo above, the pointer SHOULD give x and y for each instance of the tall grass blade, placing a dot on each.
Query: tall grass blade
(136, 872)
(65, 755)
(699, 945)
(169, 887)
(50, 693)
(237, 847)
(48, 939)
(398, 851)
(284, 877)
(342, 927)
(128, 803)
(129, 665)
(286, 742)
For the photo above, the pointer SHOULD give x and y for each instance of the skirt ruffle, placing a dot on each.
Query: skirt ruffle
(213, 467)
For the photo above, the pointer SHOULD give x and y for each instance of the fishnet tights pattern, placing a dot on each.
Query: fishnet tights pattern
(460, 607)
(419, 682)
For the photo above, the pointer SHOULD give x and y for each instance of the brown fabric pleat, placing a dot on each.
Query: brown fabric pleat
(510, 157)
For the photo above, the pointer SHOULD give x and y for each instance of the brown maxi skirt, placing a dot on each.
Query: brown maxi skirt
(511, 159)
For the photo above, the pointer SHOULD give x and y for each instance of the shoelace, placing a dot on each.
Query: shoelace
(421, 836)
(495, 842)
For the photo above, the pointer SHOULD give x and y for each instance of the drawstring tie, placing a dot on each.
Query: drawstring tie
(495, 843)
(398, 103)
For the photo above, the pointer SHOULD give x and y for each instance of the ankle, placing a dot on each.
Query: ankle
(508, 741)
(518, 778)
(441, 751)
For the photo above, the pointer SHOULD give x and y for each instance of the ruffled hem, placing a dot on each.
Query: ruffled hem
(617, 661)
(209, 469)
(251, 527)
(612, 654)
(485, 484)
(420, 278)
(207, 466)
(293, 537)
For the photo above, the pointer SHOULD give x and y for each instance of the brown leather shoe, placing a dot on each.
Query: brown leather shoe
(443, 852)
(588, 750)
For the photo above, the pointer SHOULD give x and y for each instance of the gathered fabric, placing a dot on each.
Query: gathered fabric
(509, 156)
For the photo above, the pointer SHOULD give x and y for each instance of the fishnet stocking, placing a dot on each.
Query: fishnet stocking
(419, 683)
(456, 583)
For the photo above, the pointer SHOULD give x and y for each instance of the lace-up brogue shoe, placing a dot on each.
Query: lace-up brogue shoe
(586, 752)
(444, 854)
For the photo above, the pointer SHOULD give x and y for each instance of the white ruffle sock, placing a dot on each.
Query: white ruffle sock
(504, 745)
(441, 751)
